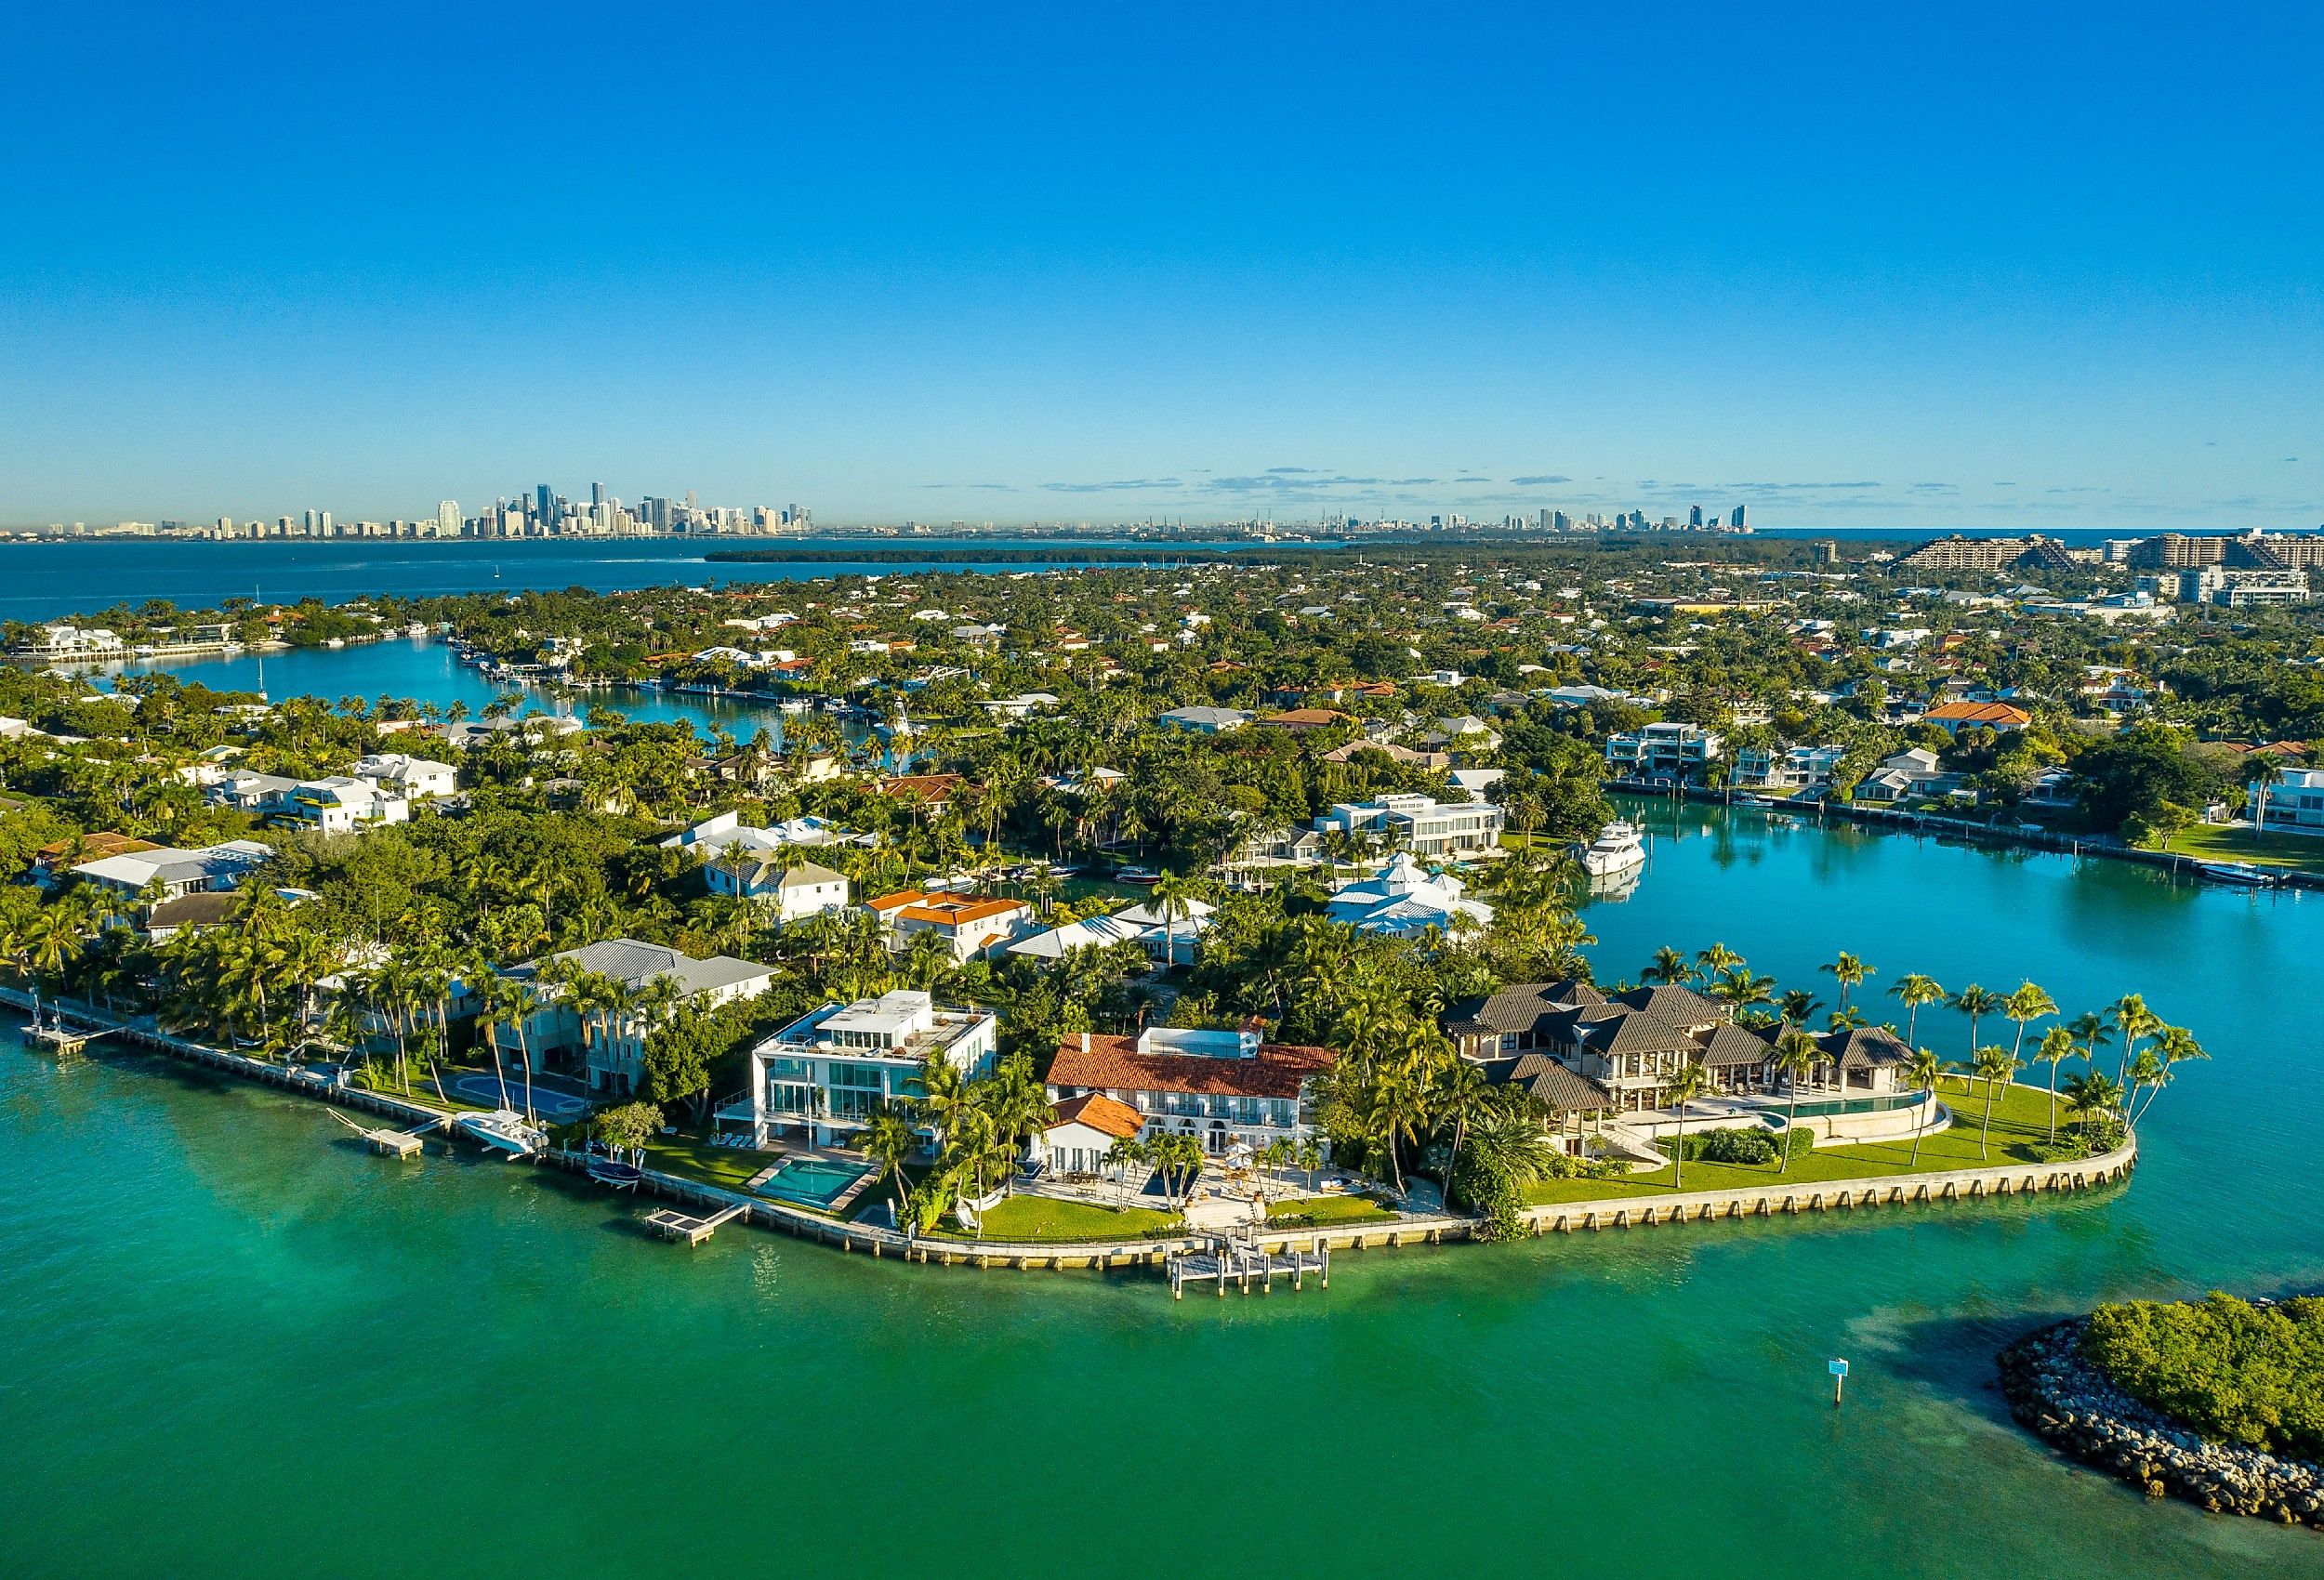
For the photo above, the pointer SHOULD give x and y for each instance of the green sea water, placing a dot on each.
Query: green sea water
(233, 1344)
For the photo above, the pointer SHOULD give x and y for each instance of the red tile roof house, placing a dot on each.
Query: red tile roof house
(1225, 1088)
(1953, 718)
(968, 925)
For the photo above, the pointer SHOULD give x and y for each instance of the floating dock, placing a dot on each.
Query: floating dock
(386, 1142)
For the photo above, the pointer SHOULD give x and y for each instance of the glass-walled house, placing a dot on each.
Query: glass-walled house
(821, 1077)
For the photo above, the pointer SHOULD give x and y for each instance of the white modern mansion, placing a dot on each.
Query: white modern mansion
(1227, 1089)
(1419, 823)
(828, 1071)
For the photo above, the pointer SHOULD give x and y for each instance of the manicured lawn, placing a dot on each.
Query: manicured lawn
(1322, 1210)
(730, 1169)
(1046, 1218)
(2208, 843)
(2021, 1121)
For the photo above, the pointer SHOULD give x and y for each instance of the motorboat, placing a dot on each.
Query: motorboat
(1617, 850)
(2242, 874)
(505, 1131)
(607, 1166)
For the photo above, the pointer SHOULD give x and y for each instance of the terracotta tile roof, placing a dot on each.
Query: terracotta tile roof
(1306, 719)
(1105, 1116)
(1978, 713)
(941, 910)
(1115, 1064)
(927, 786)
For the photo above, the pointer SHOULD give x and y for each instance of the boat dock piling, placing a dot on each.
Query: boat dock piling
(387, 1142)
(1220, 1259)
(671, 1224)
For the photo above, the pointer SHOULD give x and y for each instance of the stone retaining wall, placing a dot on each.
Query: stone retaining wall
(2068, 1403)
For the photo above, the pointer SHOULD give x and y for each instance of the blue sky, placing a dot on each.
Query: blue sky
(1867, 265)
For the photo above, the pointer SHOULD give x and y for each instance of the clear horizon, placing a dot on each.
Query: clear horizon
(1851, 268)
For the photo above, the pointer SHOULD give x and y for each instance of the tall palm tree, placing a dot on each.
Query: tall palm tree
(1994, 1066)
(1462, 1095)
(2135, 1023)
(1849, 972)
(889, 1141)
(1922, 1070)
(2090, 1029)
(2055, 1048)
(2173, 1047)
(1976, 1003)
(1667, 966)
(1689, 1081)
(1798, 1005)
(2026, 1002)
(1913, 989)
(1797, 1055)
(1715, 960)
(2090, 1093)
(1173, 896)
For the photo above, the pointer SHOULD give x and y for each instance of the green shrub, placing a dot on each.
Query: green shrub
(2234, 1372)
(1753, 1145)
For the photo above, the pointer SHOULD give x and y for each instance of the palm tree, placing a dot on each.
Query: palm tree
(1922, 1070)
(2055, 1048)
(1462, 1094)
(1173, 896)
(1120, 1157)
(2262, 773)
(2175, 1045)
(1668, 966)
(2090, 1093)
(1993, 1066)
(2027, 1003)
(1849, 972)
(1797, 1055)
(505, 1002)
(1718, 958)
(889, 1141)
(1797, 1005)
(2134, 1020)
(1976, 1003)
(1689, 1081)
(1913, 989)
(1738, 989)
(2090, 1030)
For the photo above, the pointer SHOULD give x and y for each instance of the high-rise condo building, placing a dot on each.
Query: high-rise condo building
(448, 517)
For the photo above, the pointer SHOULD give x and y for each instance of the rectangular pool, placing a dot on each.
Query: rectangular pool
(811, 1181)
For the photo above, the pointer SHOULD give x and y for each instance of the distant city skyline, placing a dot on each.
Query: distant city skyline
(1868, 266)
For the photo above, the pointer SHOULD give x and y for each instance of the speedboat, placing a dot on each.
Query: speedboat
(1617, 850)
(503, 1130)
(2242, 873)
(607, 1167)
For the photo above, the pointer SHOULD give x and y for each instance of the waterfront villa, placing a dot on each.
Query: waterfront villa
(608, 1044)
(1787, 767)
(1670, 751)
(1406, 899)
(1169, 935)
(1225, 1088)
(2294, 803)
(1910, 775)
(968, 925)
(1418, 824)
(824, 1074)
(177, 872)
(1627, 1044)
(1082, 1131)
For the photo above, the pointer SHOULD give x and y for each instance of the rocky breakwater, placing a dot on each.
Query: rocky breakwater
(2056, 1392)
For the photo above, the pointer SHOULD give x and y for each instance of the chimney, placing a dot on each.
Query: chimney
(1085, 1042)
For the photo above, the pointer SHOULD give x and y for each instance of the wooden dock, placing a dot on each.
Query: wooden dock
(65, 1042)
(1221, 1259)
(387, 1142)
(671, 1224)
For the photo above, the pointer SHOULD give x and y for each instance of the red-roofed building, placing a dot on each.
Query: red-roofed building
(1225, 1088)
(1953, 718)
(1083, 1130)
(967, 923)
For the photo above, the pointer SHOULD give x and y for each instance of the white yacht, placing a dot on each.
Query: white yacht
(1617, 850)
(504, 1130)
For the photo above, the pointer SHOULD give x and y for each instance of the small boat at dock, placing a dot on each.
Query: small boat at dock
(504, 1131)
(607, 1166)
(2242, 875)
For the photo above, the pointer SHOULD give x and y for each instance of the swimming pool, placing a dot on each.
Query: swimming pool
(811, 1181)
(1826, 1107)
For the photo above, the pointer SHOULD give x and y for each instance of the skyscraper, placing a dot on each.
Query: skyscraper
(545, 516)
(448, 519)
(1740, 517)
(1694, 515)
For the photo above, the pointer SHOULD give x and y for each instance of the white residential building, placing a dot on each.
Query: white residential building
(1226, 1088)
(341, 805)
(400, 773)
(793, 893)
(177, 871)
(1667, 750)
(727, 834)
(1405, 899)
(826, 1074)
(2295, 802)
(1787, 767)
(1419, 823)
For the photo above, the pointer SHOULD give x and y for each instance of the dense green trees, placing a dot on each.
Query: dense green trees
(2231, 1370)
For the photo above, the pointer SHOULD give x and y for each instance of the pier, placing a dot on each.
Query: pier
(1220, 1259)
(671, 1224)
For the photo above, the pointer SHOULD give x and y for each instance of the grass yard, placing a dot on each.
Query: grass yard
(1324, 1210)
(1047, 1218)
(2021, 1121)
(730, 1169)
(2205, 842)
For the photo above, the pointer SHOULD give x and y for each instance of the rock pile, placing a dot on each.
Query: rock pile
(2054, 1391)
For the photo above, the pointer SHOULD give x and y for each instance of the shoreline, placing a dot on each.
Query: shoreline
(1778, 1199)
(2068, 1402)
